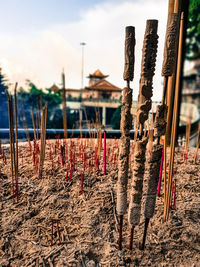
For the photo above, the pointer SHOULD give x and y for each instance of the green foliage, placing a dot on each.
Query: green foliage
(31, 99)
(193, 31)
(3, 86)
(3, 101)
(116, 118)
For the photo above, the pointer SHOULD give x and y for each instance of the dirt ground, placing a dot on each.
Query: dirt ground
(88, 224)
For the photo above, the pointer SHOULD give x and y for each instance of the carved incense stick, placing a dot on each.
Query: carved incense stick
(145, 93)
(174, 124)
(154, 168)
(125, 128)
(169, 59)
(160, 121)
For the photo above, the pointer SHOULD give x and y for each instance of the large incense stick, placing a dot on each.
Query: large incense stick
(125, 127)
(154, 167)
(169, 50)
(160, 122)
(145, 93)
(174, 125)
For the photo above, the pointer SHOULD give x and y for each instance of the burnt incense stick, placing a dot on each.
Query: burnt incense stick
(160, 122)
(145, 93)
(125, 126)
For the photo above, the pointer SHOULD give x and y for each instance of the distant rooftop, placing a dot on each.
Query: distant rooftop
(97, 74)
(103, 85)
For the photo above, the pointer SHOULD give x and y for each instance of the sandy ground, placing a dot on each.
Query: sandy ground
(87, 222)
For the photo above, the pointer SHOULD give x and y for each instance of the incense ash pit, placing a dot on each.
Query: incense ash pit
(88, 226)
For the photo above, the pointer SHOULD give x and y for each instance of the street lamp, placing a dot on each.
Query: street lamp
(82, 67)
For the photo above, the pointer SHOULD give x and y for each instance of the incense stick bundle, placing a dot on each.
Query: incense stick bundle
(13, 160)
(147, 71)
(125, 127)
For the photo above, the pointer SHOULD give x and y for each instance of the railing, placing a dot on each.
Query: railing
(79, 99)
(101, 100)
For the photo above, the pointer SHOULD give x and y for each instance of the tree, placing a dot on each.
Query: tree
(3, 101)
(116, 118)
(31, 100)
(193, 31)
(3, 87)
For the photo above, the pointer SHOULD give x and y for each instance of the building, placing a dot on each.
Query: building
(97, 101)
(101, 96)
(191, 86)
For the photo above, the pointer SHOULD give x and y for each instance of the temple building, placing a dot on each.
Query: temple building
(101, 96)
(97, 101)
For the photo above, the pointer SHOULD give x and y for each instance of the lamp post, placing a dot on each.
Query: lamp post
(82, 64)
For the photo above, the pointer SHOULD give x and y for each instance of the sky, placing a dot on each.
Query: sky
(40, 38)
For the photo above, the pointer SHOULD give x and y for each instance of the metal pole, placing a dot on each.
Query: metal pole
(82, 64)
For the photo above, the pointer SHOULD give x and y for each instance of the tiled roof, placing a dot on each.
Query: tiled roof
(103, 85)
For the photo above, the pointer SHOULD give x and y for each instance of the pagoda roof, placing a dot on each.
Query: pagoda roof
(97, 74)
(103, 85)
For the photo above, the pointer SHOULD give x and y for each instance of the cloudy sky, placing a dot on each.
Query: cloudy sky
(38, 38)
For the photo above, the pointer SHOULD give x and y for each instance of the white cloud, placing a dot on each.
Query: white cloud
(40, 56)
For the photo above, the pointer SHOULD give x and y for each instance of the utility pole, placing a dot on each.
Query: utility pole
(82, 64)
